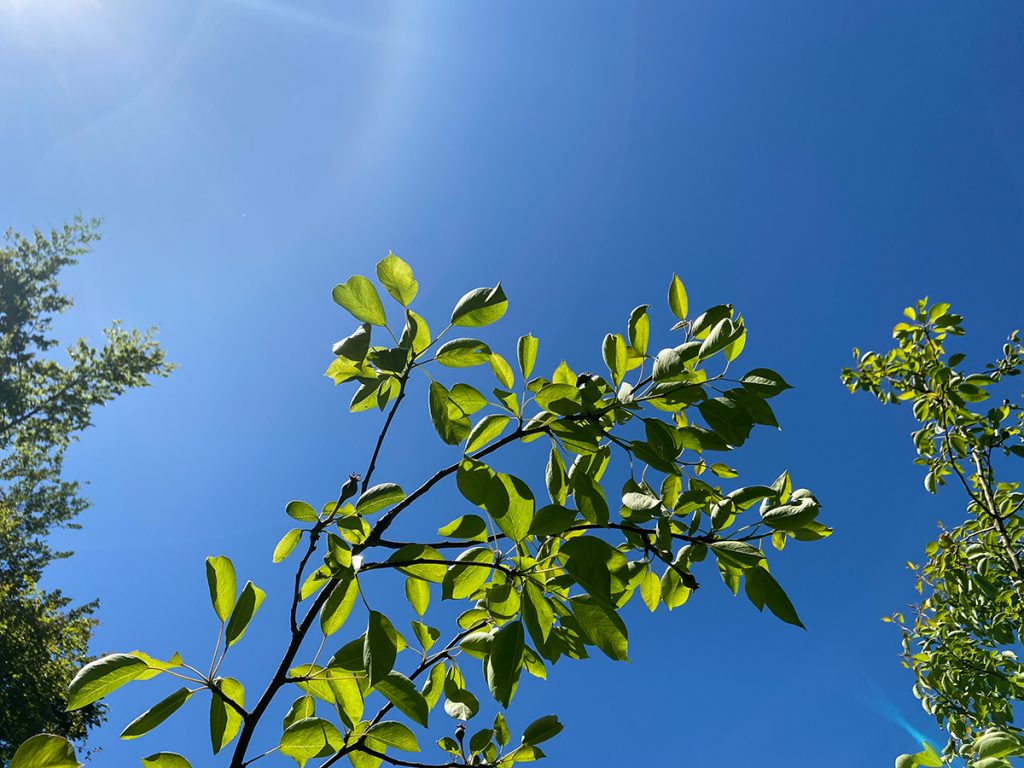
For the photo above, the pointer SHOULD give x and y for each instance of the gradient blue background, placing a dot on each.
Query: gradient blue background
(818, 164)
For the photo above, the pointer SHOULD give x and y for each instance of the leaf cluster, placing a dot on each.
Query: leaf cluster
(540, 569)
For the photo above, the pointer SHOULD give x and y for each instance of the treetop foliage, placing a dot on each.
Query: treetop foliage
(45, 404)
(963, 641)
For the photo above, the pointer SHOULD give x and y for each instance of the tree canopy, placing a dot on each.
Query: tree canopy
(45, 405)
(963, 640)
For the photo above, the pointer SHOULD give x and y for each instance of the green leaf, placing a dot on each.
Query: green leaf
(360, 298)
(501, 734)
(287, 543)
(480, 307)
(527, 353)
(463, 353)
(45, 751)
(602, 626)
(510, 504)
(379, 648)
(426, 636)
(504, 661)
(394, 735)
(738, 554)
(555, 477)
(309, 738)
(560, 399)
(430, 570)
(727, 419)
(675, 364)
(400, 691)
(596, 566)
(301, 511)
(736, 342)
(348, 695)
(156, 714)
(997, 744)
(488, 428)
(338, 606)
(677, 300)
(538, 614)
(542, 729)
(762, 589)
(469, 527)
(220, 576)
(459, 703)
(164, 760)
(224, 719)
(718, 339)
(301, 708)
(396, 277)
(463, 580)
(615, 357)
(98, 678)
(415, 334)
(502, 371)
(764, 382)
(248, 603)
(639, 329)
(650, 590)
(355, 346)
(674, 592)
(480, 740)
(450, 421)
(702, 326)
(589, 497)
(379, 497)
(417, 592)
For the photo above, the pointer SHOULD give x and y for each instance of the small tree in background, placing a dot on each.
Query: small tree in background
(538, 582)
(44, 406)
(964, 639)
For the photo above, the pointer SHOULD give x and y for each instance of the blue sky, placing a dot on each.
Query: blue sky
(820, 165)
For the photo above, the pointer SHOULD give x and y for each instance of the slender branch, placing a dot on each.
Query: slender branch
(406, 763)
(431, 561)
(389, 517)
(993, 510)
(384, 430)
(388, 544)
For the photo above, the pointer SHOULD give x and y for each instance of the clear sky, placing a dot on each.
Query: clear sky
(818, 164)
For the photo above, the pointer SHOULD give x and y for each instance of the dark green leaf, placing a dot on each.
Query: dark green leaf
(400, 691)
(504, 661)
(379, 648)
(764, 382)
(542, 729)
(480, 307)
(602, 626)
(224, 719)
